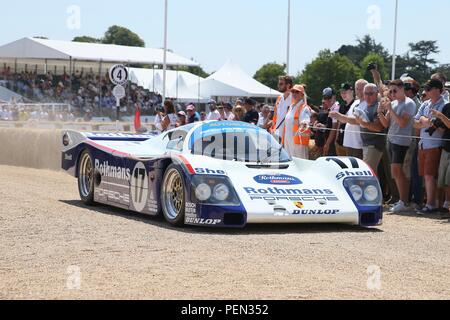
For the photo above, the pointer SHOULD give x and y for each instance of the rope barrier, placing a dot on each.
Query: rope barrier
(379, 134)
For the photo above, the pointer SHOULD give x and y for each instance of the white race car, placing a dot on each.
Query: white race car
(220, 174)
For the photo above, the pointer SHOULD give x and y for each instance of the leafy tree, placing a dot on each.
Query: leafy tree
(445, 69)
(327, 70)
(86, 39)
(122, 36)
(364, 46)
(269, 73)
(379, 60)
(422, 51)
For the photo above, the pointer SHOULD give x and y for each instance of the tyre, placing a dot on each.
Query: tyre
(173, 197)
(86, 178)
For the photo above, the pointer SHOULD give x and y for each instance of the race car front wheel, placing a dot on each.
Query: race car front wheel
(86, 178)
(173, 198)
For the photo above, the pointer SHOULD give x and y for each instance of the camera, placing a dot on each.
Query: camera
(435, 124)
(372, 66)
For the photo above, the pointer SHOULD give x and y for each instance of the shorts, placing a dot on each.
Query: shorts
(444, 170)
(429, 162)
(397, 153)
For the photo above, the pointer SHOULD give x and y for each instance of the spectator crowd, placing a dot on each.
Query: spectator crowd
(399, 128)
(86, 92)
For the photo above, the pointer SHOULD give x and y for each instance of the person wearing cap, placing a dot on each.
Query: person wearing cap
(181, 121)
(285, 84)
(297, 134)
(348, 96)
(411, 167)
(251, 115)
(431, 142)
(192, 115)
(326, 139)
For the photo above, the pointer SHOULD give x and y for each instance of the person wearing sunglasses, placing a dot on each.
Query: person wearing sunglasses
(412, 89)
(397, 116)
(431, 142)
(371, 127)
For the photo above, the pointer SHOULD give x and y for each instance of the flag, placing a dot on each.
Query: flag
(137, 119)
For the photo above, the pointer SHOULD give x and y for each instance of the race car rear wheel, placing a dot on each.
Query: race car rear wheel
(86, 178)
(173, 197)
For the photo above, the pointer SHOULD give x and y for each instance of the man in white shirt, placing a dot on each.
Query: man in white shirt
(285, 85)
(214, 115)
(352, 139)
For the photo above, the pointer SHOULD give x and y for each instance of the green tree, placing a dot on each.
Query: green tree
(379, 60)
(86, 39)
(327, 70)
(269, 73)
(445, 69)
(122, 36)
(422, 51)
(364, 46)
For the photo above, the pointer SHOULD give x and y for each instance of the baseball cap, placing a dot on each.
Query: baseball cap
(182, 113)
(190, 107)
(298, 88)
(346, 87)
(249, 102)
(433, 84)
(328, 93)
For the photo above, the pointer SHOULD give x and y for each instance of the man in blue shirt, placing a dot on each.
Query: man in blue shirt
(431, 142)
(192, 114)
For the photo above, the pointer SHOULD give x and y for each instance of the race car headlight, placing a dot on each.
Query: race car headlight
(371, 193)
(364, 191)
(357, 192)
(203, 192)
(221, 192)
(214, 190)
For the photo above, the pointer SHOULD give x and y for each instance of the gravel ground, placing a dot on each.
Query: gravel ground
(52, 247)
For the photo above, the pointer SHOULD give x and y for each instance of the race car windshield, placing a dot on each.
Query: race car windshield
(251, 146)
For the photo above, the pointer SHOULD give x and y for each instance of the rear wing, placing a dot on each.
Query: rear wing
(119, 136)
(71, 138)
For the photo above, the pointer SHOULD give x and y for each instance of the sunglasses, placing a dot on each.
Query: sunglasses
(393, 91)
(370, 93)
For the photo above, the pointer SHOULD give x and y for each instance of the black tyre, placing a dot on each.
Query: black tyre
(86, 174)
(173, 197)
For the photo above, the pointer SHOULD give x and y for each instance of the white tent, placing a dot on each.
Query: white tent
(214, 88)
(32, 48)
(237, 84)
(181, 85)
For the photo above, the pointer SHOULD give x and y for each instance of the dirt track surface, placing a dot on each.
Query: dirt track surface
(47, 235)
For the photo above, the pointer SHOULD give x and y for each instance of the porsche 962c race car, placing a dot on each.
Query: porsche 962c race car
(219, 174)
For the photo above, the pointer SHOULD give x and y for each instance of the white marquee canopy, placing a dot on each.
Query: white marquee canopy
(40, 49)
(232, 81)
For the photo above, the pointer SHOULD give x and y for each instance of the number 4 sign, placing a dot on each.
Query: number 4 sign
(118, 74)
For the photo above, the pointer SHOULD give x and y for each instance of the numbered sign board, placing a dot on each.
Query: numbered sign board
(118, 74)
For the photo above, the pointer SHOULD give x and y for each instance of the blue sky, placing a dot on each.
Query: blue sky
(250, 32)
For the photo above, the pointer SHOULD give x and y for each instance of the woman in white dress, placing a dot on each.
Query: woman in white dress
(296, 132)
(170, 120)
